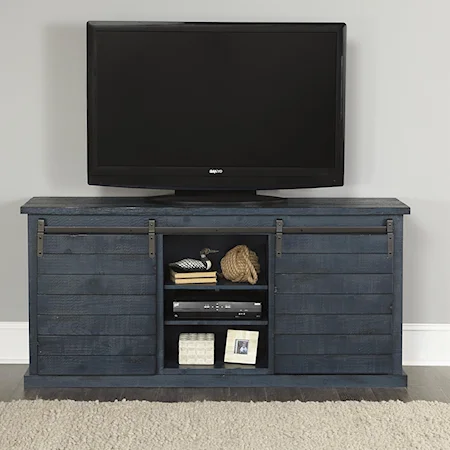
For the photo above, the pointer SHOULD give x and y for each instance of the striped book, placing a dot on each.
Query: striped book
(193, 277)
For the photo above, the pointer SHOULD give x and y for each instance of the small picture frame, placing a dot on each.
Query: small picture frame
(241, 347)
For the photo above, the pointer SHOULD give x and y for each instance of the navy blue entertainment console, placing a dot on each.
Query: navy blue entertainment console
(100, 295)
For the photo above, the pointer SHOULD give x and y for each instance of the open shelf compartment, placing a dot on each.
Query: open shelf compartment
(199, 295)
(171, 338)
(177, 247)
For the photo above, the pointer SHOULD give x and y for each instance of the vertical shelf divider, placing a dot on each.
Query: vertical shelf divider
(160, 302)
(271, 301)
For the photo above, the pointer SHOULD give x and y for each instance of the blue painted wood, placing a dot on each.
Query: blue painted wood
(333, 304)
(96, 325)
(96, 365)
(328, 243)
(159, 243)
(81, 220)
(271, 303)
(334, 263)
(32, 292)
(106, 264)
(137, 206)
(333, 364)
(186, 220)
(97, 345)
(96, 284)
(291, 220)
(333, 344)
(334, 283)
(361, 312)
(96, 244)
(222, 285)
(397, 310)
(333, 324)
(230, 370)
(96, 304)
(231, 323)
(219, 380)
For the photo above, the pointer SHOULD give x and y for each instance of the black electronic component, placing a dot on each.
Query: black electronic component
(216, 310)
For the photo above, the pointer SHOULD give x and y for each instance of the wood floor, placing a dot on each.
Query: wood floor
(425, 383)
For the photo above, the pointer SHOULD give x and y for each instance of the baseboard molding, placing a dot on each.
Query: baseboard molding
(424, 344)
(14, 343)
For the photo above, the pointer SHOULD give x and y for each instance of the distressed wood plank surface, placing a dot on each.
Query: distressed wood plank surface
(96, 284)
(97, 345)
(70, 304)
(333, 344)
(333, 304)
(76, 264)
(334, 284)
(333, 324)
(333, 364)
(157, 380)
(32, 293)
(326, 243)
(96, 325)
(145, 206)
(96, 365)
(291, 220)
(93, 244)
(397, 309)
(333, 263)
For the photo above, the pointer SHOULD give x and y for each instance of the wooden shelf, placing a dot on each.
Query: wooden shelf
(232, 322)
(219, 368)
(220, 285)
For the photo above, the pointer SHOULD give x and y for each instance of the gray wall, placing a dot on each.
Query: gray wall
(398, 116)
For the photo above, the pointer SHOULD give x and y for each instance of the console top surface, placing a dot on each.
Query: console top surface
(148, 206)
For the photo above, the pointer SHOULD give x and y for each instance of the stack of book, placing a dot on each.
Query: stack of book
(193, 277)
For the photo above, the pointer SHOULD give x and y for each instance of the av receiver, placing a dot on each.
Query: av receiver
(216, 310)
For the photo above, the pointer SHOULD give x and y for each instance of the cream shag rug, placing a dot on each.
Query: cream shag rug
(124, 425)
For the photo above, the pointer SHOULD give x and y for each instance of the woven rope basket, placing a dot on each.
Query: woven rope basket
(240, 264)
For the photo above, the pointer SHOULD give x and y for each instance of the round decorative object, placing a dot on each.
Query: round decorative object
(240, 264)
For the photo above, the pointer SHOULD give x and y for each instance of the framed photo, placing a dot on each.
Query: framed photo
(241, 347)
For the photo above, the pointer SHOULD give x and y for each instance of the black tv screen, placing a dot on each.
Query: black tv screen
(215, 105)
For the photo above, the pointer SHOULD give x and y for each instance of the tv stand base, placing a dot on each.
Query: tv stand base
(196, 381)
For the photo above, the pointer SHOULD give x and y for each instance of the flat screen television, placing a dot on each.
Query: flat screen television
(215, 106)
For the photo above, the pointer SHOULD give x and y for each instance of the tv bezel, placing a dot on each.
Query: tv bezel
(199, 178)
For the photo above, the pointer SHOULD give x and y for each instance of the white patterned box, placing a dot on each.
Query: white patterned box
(196, 348)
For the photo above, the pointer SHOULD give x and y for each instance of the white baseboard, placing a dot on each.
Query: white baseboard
(14, 343)
(424, 344)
